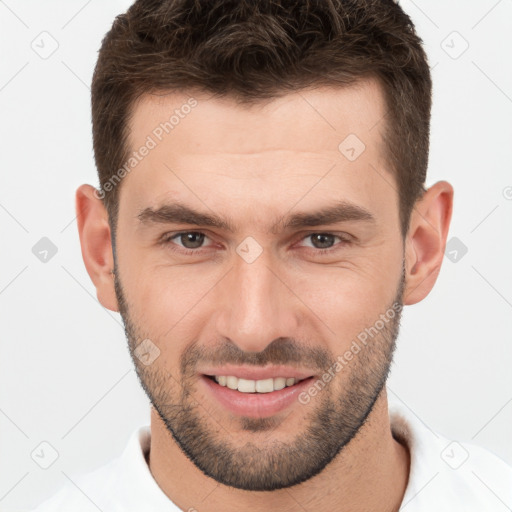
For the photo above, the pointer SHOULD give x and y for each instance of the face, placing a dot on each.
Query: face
(263, 265)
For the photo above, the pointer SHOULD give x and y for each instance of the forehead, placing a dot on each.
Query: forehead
(313, 119)
(305, 146)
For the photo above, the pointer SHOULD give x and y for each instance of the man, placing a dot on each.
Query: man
(260, 224)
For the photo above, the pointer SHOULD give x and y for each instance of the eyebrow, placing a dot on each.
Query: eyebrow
(177, 213)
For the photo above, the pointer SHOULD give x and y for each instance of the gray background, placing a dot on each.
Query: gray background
(65, 374)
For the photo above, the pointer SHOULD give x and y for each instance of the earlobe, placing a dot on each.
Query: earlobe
(426, 241)
(95, 241)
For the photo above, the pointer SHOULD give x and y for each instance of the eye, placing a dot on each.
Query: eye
(324, 242)
(189, 241)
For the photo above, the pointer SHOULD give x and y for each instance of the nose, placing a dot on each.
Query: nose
(255, 304)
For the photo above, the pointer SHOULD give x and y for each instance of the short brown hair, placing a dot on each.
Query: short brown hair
(254, 50)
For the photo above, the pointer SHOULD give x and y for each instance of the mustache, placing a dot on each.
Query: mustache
(281, 351)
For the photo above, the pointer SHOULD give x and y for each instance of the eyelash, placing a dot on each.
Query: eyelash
(167, 238)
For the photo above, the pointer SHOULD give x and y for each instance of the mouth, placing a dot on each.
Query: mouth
(255, 386)
(257, 397)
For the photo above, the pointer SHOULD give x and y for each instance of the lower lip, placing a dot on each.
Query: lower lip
(255, 405)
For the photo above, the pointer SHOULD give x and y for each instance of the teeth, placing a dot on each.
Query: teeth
(255, 386)
(263, 386)
(246, 386)
(232, 382)
(279, 383)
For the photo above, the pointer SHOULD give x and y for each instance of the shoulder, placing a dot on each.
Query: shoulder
(79, 493)
(449, 475)
(108, 487)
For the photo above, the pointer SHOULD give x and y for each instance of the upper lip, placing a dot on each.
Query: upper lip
(258, 373)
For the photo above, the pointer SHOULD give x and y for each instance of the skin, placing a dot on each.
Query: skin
(231, 160)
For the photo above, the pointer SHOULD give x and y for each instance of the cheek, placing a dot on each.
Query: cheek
(171, 302)
(350, 299)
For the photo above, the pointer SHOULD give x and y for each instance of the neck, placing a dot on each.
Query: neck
(370, 473)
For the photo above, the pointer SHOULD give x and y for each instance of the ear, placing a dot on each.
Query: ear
(426, 241)
(94, 232)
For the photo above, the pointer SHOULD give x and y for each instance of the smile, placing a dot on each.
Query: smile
(254, 386)
(260, 397)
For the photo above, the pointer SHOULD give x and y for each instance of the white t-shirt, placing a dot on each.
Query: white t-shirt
(445, 476)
